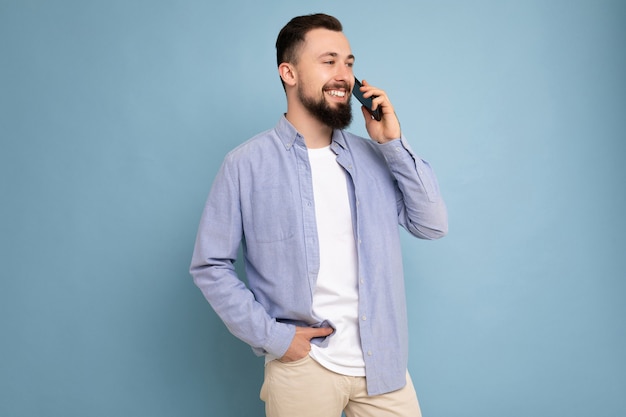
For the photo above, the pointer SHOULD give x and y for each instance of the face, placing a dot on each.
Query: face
(325, 77)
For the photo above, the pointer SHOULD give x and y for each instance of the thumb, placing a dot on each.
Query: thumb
(312, 332)
(366, 113)
(321, 331)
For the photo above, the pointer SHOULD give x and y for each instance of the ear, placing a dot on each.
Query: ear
(288, 73)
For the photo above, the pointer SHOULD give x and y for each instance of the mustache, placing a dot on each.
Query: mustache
(337, 86)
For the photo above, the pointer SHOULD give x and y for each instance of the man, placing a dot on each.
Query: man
(316, 210)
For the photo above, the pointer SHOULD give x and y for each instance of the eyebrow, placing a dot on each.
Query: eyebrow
(335, 55)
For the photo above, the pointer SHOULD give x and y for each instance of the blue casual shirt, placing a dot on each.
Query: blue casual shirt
(262, 200)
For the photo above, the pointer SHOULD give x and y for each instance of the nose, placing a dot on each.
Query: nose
(345, 73)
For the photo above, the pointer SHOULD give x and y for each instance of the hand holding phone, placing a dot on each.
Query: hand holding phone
(367, 102)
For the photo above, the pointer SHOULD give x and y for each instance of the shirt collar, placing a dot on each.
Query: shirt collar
(288, 135)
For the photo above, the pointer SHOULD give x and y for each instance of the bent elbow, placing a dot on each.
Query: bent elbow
(431, 233)
(435, 228)
(440, 232)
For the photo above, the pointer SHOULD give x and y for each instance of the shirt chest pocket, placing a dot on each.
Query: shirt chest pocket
(272, 215)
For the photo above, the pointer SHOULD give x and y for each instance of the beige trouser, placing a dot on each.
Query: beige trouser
(306, 389)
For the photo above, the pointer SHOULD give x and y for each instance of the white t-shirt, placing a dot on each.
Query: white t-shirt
(336, 296)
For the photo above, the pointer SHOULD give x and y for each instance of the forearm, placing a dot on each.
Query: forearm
(235, 304)
(421, 208)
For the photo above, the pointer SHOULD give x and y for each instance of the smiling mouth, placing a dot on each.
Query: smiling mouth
(337, 93)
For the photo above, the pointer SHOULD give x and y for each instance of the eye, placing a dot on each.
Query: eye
(329, 62)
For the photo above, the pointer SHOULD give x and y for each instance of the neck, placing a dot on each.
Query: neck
(316, 134)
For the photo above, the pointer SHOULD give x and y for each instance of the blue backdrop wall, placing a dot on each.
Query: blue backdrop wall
(115, 116)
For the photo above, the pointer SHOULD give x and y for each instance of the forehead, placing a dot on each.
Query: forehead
(322, 41)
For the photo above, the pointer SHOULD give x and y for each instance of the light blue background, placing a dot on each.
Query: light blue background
(115, 116)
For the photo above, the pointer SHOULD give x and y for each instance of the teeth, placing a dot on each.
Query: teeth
(337, 93)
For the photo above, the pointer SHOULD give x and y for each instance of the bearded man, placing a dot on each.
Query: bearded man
(316, 210)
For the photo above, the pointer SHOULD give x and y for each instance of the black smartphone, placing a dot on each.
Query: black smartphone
(367, 102)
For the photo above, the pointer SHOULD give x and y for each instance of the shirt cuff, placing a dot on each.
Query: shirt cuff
(280, 340)
(397, 150)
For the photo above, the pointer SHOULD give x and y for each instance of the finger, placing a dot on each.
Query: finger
(366, 84)
(378, 96)
(318, 332)
(377, 102)
(370, 90)
(366, 87)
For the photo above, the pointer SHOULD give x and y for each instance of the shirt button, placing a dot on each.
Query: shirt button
(363, 318)
(369, 353)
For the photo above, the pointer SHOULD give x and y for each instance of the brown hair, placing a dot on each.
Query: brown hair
(292, 35)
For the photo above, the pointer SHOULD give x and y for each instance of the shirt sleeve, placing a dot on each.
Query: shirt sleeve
(421, 208)
(212, 268)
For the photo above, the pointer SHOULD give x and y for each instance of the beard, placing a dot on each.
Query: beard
(339, 117)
